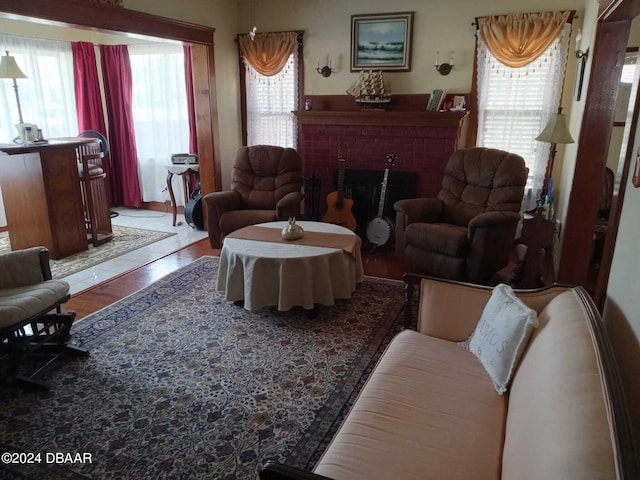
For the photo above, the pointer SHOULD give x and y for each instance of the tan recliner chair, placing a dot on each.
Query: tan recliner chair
(466, 233)
(31, 320)
(266, 183)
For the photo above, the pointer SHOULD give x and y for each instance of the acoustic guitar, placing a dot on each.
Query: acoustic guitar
(338, 207)
(380, 229)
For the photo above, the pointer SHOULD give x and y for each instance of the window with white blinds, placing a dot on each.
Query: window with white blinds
(270, 101)
(514, 105)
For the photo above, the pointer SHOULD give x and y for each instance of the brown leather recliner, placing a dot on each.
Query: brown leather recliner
(266, 183)
(466, 233)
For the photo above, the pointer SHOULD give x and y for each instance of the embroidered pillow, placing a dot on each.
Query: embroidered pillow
(501, 335)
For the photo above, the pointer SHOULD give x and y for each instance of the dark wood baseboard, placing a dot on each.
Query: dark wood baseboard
(160, 207)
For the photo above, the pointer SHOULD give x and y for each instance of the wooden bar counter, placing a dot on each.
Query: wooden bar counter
(42, 196)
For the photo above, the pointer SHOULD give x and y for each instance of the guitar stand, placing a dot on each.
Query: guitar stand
(368, 247)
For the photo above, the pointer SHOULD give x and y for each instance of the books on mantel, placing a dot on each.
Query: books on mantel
(436, 100)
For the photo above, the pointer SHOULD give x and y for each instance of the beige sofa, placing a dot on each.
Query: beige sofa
(430, 411)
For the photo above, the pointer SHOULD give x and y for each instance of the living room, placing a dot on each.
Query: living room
(437, 27)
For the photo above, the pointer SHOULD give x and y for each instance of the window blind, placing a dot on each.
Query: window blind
(270, 103)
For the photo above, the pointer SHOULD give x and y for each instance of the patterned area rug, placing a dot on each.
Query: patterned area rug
(181, 384)
(125, 240)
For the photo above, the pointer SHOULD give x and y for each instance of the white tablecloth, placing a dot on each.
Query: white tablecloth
(287, 275)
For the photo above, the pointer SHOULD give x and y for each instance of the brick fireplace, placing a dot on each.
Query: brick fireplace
(422, 142)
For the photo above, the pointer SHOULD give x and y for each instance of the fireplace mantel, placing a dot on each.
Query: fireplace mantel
(381, 117)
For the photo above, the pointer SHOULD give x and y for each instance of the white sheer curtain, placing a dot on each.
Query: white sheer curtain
(514, 105)
(270, 101)
(47, 96)
(160, 115)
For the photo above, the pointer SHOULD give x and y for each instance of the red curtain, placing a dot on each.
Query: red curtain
(188, 77)
(116, 73)
(89, 107)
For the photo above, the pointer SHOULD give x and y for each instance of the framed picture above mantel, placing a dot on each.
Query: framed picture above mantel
(381, 41)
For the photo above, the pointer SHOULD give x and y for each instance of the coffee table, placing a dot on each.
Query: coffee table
(262, 273)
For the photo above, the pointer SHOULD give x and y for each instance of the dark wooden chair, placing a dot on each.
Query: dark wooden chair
(94, 188)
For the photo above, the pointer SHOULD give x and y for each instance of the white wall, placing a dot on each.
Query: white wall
(438, 25)
(622, 308)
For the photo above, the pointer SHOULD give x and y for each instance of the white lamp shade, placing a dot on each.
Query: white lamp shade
(9, 68)
(556, 130)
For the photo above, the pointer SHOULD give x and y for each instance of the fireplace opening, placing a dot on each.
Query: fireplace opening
(364, 188)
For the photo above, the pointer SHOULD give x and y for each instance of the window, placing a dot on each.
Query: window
(160, 113)
(514, 105)
(269, 103)
(47, 96)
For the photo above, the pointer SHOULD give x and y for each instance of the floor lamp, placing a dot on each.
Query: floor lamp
(9, 69)
(555, 132)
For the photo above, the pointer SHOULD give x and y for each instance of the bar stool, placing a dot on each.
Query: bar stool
(94, 192)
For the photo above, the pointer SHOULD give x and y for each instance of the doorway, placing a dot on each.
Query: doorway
(612, 36)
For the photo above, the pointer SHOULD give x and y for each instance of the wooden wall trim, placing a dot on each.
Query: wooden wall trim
(380, 117)
(83, 14)
(402, 102)
(591, 157)
(206, 110)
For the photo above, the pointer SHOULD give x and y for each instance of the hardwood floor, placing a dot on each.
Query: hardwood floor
(377, 264)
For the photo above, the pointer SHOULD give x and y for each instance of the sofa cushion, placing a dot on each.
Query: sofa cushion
(443, 238)
(558, 423)
(502, 334)
(237, 219)
(428, 411)
(21, 303)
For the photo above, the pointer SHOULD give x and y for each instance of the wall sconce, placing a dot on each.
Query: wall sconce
(325, 71)
(444, 68)
(580, 53)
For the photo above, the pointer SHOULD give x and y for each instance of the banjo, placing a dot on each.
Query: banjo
(380, 229)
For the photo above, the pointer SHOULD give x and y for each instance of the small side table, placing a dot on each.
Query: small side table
(185, 171)
(537, 235)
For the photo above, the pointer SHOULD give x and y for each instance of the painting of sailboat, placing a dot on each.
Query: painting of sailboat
(381, 41)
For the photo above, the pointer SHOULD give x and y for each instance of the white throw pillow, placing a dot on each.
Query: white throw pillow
(501, 335)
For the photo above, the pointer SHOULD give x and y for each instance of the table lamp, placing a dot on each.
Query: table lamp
(9, 69)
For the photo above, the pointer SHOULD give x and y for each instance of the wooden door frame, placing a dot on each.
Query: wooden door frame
(117, 20)
(612, 35)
